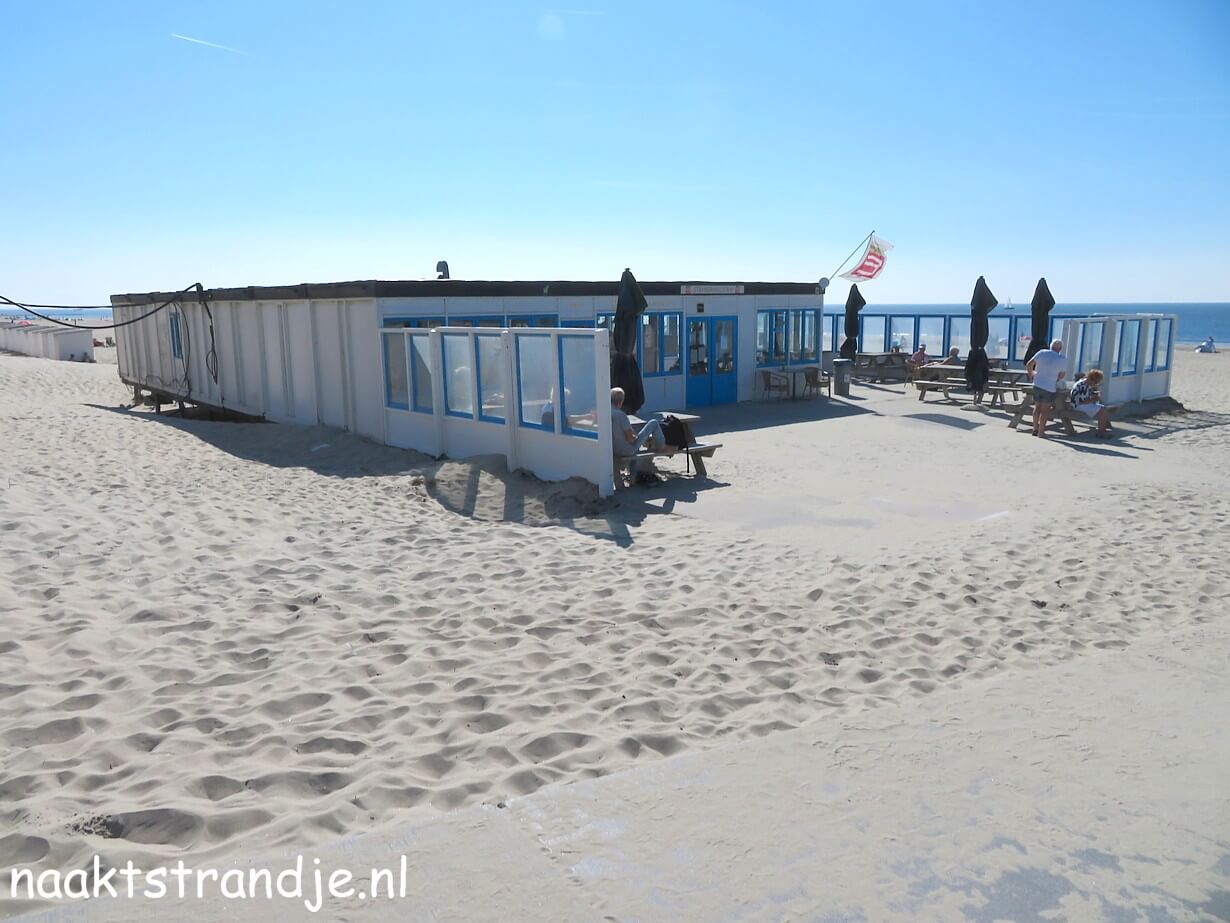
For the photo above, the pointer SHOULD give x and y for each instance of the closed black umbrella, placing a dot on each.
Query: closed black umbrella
(977, 366)
(625, 373)
(1040, 327)
(854, 303)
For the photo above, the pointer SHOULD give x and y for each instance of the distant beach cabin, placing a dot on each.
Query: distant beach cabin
(457, 367)
(49, 341)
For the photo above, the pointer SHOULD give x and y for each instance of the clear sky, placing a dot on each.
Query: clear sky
(149, 145)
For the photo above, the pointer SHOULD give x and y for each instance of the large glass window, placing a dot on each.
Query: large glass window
(458, 391)
(534, 320)
(997, 340)
(1022, 333)
(931, 335)
(872, 340)
(534, 384)
(1150, 339)
(671, 364)
(764, 336)
(1091, 345)
(830, 333)
(650, 353)
(491, 384)
(787, 336)
(416, 323)
(579, 379)
(396, 387)
(420, 371)
(901, 333)
(810, 346)
(781, 329)
(1161, 345)
(958, 334)
(796, 337)
(1129, 341)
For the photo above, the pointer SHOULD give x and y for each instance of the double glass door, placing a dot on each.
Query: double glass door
(711, 362)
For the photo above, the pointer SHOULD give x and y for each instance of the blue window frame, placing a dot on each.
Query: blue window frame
(1161, 345)
(1129, 342)
(396, 386)
(577, 323)
(788, 336)
(532, 366)
(577, 384)
(533, 320)
(455, 361)
(417, 323)
(419, 347)
(476, 320)
(658, 344)
(492, 391)
(177, 346)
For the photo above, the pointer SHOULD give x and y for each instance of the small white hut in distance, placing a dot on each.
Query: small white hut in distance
(49, 341)
(459, 367)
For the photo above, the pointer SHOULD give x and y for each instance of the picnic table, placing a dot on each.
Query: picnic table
(881, 366)
(693, 451)
(947, 378)
(1061, 413)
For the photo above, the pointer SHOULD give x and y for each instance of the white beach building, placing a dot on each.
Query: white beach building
(49, 341)
(401, 362)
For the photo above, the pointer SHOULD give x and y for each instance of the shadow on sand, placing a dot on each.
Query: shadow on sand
(479, 488)
(734, 418)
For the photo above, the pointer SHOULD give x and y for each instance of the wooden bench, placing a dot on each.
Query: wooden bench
(695, 454)
(881, 366)
(949, 385)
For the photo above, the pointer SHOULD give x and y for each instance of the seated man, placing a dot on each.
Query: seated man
(626, 441)
(1087, 398)
(919, 356)
(953, 358)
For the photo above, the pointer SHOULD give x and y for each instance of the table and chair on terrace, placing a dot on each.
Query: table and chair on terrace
(784, 380)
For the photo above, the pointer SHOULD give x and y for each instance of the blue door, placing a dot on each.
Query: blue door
(712, 361)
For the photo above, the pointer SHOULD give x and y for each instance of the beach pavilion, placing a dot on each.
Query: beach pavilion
(401, 362)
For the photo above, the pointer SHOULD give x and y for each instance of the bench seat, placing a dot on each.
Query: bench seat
(697, 450)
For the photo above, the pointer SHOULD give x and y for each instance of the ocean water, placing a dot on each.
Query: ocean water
(1196, 320)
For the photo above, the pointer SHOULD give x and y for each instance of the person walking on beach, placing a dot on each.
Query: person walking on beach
(1047, 370)
(1087, 398)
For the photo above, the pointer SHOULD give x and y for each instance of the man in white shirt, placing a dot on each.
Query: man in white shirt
(1047, 369)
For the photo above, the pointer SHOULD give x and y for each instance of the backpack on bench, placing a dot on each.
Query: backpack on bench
(673, 431)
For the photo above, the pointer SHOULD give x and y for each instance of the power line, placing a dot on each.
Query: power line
(51, 320)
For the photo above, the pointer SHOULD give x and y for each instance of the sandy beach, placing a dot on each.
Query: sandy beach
(226, 639)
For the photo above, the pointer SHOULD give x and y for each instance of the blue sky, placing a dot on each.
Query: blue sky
(1087, 142)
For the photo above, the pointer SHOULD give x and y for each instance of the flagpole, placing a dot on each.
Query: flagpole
(833, 274)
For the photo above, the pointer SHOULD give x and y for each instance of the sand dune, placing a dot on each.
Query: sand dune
(222, 638)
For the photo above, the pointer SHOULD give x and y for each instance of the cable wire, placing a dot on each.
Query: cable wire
(51, 320)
